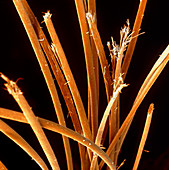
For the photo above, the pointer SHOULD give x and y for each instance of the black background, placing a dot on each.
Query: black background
(19, 61)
